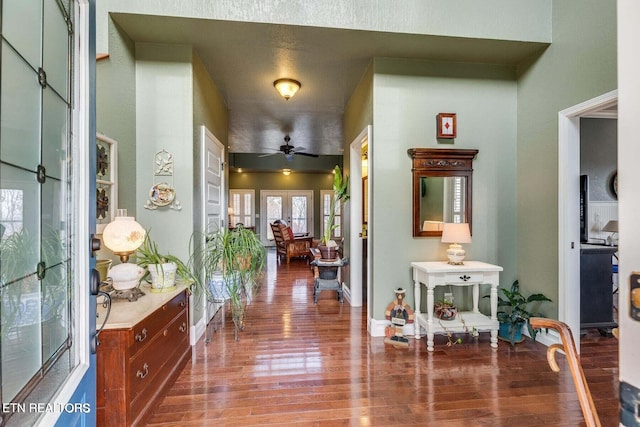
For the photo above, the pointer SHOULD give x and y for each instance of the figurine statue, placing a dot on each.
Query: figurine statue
(399, 313)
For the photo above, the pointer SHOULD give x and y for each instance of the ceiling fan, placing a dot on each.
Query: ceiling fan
(288, 150)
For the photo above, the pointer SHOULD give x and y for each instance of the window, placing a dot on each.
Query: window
(36, 203)
(454, 206)
(326, 196)
(242, 207)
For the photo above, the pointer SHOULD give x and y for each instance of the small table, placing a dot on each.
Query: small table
(471, 273)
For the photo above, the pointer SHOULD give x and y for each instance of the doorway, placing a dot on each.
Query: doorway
(360, 244)
(569, 207)
(293, 206)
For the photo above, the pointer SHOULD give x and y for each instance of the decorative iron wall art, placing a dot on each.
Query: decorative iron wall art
(162, 192)
(106, 180)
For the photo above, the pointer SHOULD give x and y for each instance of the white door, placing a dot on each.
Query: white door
(358, 285)
(212, 199)
(628, 207)
(213, 178)
(294, 206)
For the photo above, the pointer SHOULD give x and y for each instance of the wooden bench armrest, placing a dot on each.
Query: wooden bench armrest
(568, 346)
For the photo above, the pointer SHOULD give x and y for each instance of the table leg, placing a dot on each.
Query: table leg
(494, 314)
(476, 295)
(430, 318)
(416, 312)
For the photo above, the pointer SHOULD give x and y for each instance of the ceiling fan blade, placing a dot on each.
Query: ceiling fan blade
(269, 154)
(301, 153)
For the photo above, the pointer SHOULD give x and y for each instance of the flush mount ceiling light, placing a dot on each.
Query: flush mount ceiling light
(286, 172)
(287, 87)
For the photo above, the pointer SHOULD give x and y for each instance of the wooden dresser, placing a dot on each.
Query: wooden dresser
(143, 348)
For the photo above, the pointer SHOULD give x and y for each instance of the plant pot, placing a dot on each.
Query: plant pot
(218, 287)
(163, 277)
(445, 311)
(503, 333)
(328, 252)
(103, 265)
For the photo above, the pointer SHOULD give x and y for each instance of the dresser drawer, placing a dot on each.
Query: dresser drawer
(462, 278)
(147, 363)
(144, 331)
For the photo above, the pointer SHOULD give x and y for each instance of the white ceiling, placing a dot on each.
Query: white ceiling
(244, 59)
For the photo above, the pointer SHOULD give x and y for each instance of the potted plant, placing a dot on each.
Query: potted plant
(444, 309)
(163, 268)
(238, 256)
(516, 313)
(328, 248)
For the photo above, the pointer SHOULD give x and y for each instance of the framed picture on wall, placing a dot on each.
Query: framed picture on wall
(446, 125)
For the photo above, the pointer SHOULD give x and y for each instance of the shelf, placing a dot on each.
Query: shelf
(471, 320)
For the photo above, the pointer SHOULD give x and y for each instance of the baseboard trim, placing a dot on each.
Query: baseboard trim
(376, 328)
(544, 337)
(197, 331)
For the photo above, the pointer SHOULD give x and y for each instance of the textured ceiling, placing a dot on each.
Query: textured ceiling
(244, 59)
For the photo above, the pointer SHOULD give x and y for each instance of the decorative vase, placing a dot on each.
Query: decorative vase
(445, 311)
(163, 277)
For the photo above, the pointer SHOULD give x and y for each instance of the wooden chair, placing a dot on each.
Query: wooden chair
(568, 346)
(289, 246)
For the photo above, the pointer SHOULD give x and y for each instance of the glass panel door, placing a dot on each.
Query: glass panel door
(294, 206)
(36, 204)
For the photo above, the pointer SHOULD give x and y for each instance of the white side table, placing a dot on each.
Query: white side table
(471, 273)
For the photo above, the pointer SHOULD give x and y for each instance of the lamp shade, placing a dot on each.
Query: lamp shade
(287, 87)
(123, 235)
(456, 233)
(432, 225)
(611, 226)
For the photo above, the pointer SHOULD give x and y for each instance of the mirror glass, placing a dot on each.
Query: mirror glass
(442, 199)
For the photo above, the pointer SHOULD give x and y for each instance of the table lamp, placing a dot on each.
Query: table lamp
(611, 227)
(123, 236)
(455, 234)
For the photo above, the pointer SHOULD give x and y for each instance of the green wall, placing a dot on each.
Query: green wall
(579, 65)
(278, 181)
(407, 96)
(116, 109)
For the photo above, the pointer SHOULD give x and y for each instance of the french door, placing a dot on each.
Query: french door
(293, 206)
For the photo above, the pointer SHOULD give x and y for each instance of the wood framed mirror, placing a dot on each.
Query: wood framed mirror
(442, 184)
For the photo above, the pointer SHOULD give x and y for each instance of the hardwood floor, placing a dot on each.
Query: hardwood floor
(303, 364)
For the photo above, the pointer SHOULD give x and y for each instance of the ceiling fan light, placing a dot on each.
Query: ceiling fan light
(287, 87)
(286, 172)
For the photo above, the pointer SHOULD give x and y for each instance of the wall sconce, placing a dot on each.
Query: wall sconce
(456, 234)
(286, 172)
(123, 236)
(287, 87)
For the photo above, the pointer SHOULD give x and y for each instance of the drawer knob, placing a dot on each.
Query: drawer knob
(144, 372)
(465, 278)
(183, 303)
(183, 327)
(142, 335)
